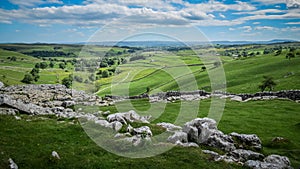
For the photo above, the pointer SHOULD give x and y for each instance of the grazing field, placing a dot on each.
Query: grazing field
(31, 140)
(134, 71)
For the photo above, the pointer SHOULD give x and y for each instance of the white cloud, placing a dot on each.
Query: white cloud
(293, 23)
(269, 28)
(271, 2)
(256, 23)
(32, 3)
(246, 28)
(222, 16)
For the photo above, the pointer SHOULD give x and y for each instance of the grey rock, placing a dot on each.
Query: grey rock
(8, 111)
(55, 155)
(103, 123)
(178, 136)
(245, 155)
(143, 131)
(247, 140)
(204, 131)
(1, 85)
(169, 126)
(12, 164)
(117, 126)
(215, 155)
(68, 103)
(190, 144)
(279, 160)
(130, 116)
(270, 162)
(129, 128)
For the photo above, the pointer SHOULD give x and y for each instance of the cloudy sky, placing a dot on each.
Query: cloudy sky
(77, 20)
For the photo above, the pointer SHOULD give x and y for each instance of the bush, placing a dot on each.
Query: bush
(27, 79)
(43, 65)
(62, 65)
(105, 73)
(67, 81)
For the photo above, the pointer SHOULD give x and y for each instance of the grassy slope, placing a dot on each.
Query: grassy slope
(30, 143)
(242, 76)
(12, 72)
(267, 119)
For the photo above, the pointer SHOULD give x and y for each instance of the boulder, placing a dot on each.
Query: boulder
(142, 131)
(8, 111)
(12, 164)
(178, 136)
(129, 128)
(270, 162)
(169, 126)
(130, 116)
(137, 140)
(1, 85)
(55, 155)
(68, 103)
(190, 144)
(247, 141)
(245, 155)
(103, 123)
(279, 160)
(117, 126)
(204, 131)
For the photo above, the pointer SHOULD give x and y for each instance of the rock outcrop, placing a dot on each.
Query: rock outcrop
(204, 131)
(270, 162)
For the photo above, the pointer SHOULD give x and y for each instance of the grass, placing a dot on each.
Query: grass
(267, 119)
(30, 143)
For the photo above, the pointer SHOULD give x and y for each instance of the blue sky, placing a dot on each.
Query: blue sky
(59, 21)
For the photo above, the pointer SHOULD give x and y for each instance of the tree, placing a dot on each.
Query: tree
(13, 58)
(290, 55)
(34, 71)
(37, 65)
(67, 81)
(105, 73)
(43, 65)
(27, 79)
(203, 68)
(62, 65)
(52, 64)
(267, 83)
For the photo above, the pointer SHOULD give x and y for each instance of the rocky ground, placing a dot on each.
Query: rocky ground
(242, 149)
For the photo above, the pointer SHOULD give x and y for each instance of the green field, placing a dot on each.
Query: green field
(30, 141)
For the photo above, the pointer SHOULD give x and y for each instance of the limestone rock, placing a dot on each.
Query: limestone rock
(55, 155)
(204, 131)
(143, 131)
(190, 144)
(270, 162)
(169, 126)
(117, 126)
(245, 155)
(8, 111)
(178, 136)
(12, 164)
(130, 116)
(129, 128)
(247, 140)
(1, 85)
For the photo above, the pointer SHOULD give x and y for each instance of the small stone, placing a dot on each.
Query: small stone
(12, 164)
(55, 155)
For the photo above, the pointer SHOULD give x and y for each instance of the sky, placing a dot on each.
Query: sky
(72, 21)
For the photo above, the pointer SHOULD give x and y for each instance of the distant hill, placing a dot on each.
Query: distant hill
(181, 44)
